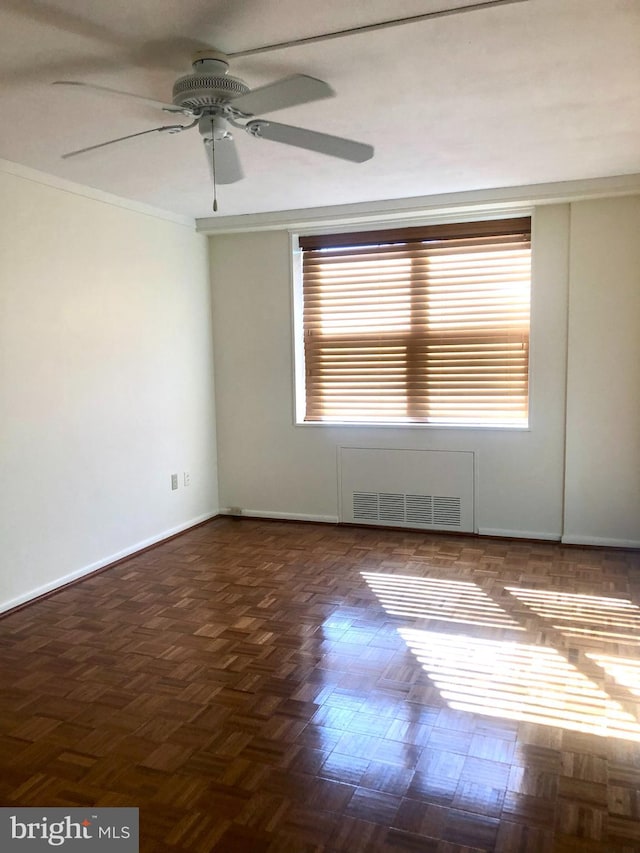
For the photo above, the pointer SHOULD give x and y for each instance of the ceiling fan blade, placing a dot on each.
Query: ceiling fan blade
(228, 166)
(21, 75)
(334, 146)
(170, 108)
(169, 128)
(288, 92)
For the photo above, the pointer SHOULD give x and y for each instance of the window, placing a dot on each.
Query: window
(418, 325)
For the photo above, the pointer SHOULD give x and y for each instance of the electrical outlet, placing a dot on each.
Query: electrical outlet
(174, 482)
(186, 478)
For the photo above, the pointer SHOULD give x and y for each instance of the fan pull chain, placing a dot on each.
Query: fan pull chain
(213, 169)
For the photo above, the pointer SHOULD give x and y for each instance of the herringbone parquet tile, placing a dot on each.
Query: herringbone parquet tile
(267, 686)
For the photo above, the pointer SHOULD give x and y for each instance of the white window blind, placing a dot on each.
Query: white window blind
(426, 325)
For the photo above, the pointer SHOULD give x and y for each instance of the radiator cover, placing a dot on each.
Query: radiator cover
(425, 489)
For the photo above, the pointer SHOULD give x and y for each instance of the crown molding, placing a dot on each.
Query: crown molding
(489, 202)
(47, 180)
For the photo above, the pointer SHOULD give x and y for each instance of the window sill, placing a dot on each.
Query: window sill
(411, 425)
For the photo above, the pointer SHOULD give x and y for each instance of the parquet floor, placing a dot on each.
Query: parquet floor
(266, 686)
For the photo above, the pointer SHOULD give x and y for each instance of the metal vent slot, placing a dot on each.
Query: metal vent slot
(365, 506)
(446, 511)
(419, 509)
(391, 507)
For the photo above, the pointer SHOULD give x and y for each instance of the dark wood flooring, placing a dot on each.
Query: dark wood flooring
(268, 686)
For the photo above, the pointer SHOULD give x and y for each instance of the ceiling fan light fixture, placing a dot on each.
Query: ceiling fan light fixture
(214, 127)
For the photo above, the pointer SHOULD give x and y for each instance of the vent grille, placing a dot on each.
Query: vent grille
(417, 489)
(365, 506)
(391, 507)
(419, 509)
(436, 511)
(446, 511)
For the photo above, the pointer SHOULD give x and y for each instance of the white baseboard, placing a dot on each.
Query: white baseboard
(600, 542)
(333, 519)
(100, 564)
(285, 516)
(519, 534)
(282, 516)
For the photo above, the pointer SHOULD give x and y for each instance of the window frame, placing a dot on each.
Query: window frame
(464, 222)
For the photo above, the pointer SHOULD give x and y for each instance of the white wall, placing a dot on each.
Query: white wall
(106, 383)
(603, 402)
(269, 466)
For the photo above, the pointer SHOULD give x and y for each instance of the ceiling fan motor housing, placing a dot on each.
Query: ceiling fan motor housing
(209, 85)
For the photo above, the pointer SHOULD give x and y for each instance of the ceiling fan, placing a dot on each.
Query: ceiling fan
(218, 103)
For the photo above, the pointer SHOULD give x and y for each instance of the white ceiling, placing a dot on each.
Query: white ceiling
(534, 92)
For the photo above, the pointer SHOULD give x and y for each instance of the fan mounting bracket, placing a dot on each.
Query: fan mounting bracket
(202, 57)
(254, 128)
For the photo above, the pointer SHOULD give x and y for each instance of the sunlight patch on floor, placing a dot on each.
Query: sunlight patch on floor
(432, 598)
(584, 615)
(517, 681)
(624, 671)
